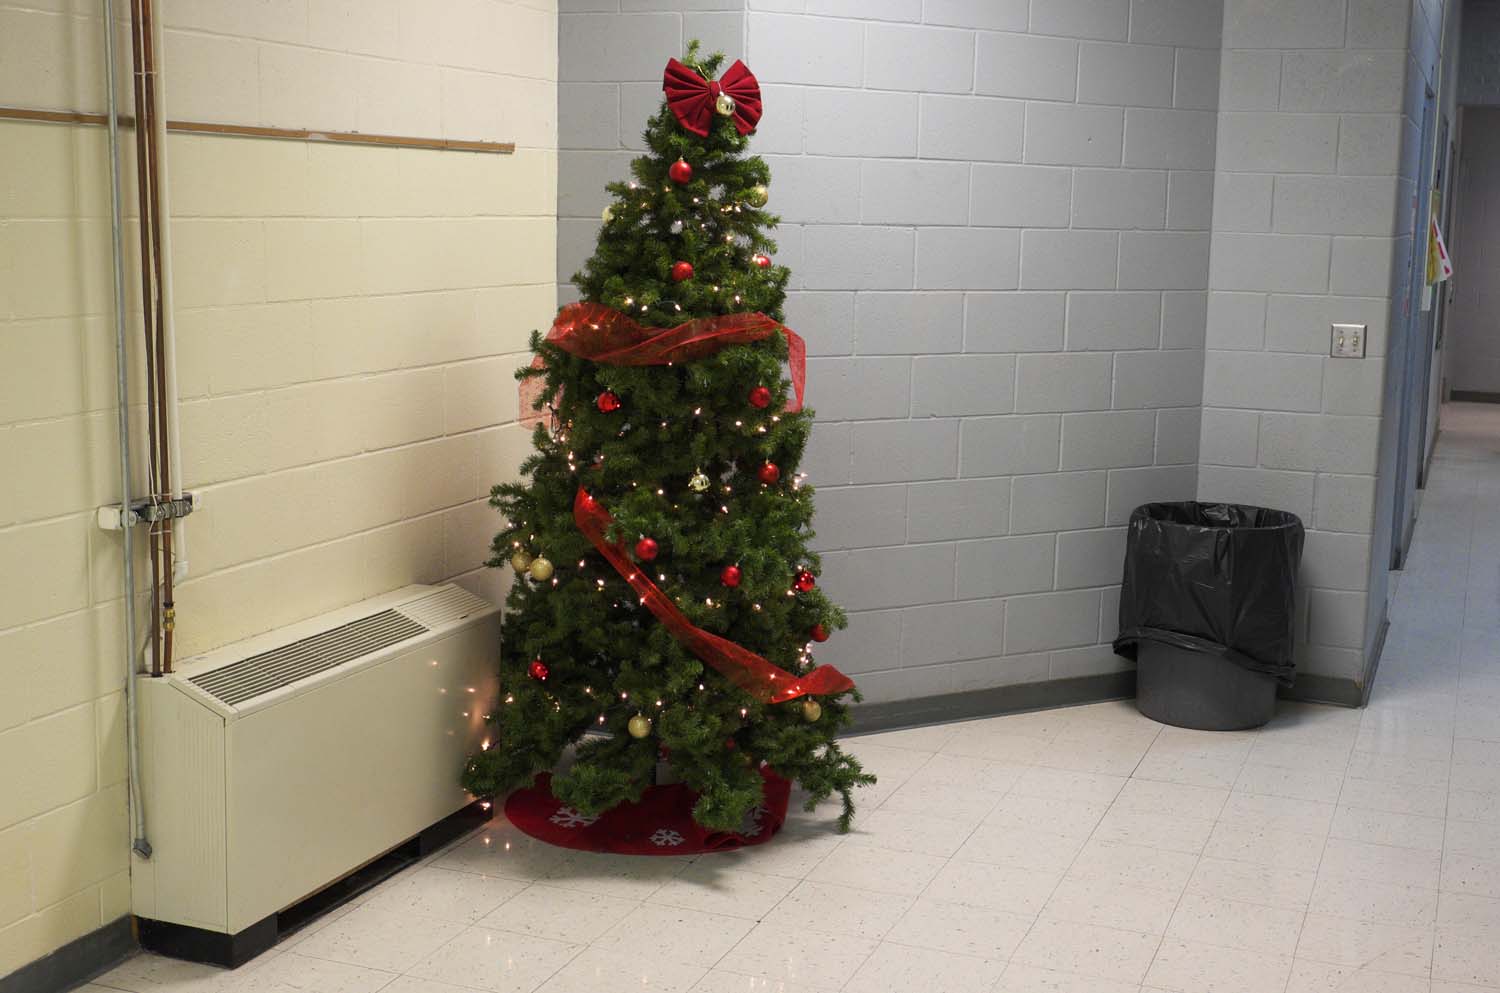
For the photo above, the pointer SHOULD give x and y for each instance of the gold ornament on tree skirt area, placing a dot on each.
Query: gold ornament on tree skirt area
(639, 726)
(521, 561)
(811, 710)
(541, 569)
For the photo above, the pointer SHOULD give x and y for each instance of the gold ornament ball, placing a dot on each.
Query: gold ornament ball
(608, 214)
(724, 105)
(759, 195)
(521, 561)
(639, 726)
(811, 710)
(541, 569)
(699, 482)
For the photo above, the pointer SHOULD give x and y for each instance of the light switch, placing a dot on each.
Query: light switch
(1348, 341)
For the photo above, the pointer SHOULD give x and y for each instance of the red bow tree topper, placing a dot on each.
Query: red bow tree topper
(692, 97)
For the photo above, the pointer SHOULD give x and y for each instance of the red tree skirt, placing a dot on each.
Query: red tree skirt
(660, 824)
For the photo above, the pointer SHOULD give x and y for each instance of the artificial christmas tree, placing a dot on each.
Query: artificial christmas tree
(677, 602)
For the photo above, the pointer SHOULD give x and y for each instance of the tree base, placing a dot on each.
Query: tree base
(661, 823)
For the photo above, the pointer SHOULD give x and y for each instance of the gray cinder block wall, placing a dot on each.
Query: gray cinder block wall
(1000, 217)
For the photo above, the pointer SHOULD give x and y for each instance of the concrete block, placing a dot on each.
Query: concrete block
(870, 643)
(1046, 383)
(1348, 205)
(1363, 82)
(1283, 23)
(1176, 22)
(827, 458)
(1164, 260)
(1108, 440)
(860, 123)
(1063, 501)
(908, 323)
(859, 517)
(879, 10)
(1019, 65)
(826, 320)
(903, 451)
(1090, 558)
(1083, 260)
(1335, 561)
(588, 115)
(962, 385)
(581, 178)
(1263, 381)
(1242, 201)
(815, 51)
(914, 192)
(1170, 139)
(1051, 620)
(1184, 317)
(846, 257)
(1158, 379)
(1008, 670)
(989, 15)
(1319, 443)
(1230, 437)
(1177, 435)
(1377, 24)
(1061, 134)
(1370, 144)
(1006, 566)
(1269, 262)
(1249, 80)
(809, 189)
(967, 259)
(1119, 198)
(1113, 321)
(783, 127)
(876, 578)
(1344, 503)
(924, 59)
(1107, 20)
(1013, 322)
(624, 46)
(851, 389)
(1289, 491)
(1336, 618)
(969, 128)
(1301, 323)
(1130, 488)
(1021, 196)
(1132, 75)
(718, 31)
(1361, 266)
(963, 508)
(1253, 141)
(950, 632)
(1195, 82)
(1000, 446)
(1353, 387)
(1236, 321)
(1190, 200)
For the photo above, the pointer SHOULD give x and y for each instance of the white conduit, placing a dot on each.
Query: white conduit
(122, 398)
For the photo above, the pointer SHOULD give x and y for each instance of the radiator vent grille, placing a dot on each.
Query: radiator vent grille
(452, 603)
(259, 674)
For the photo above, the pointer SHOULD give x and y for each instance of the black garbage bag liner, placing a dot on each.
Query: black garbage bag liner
(1215, 578)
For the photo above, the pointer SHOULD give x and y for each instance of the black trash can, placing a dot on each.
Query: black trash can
(1207, 611)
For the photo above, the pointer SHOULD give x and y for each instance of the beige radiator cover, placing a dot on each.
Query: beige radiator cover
(253, 807)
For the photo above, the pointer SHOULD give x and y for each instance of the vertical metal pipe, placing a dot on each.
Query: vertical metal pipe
(122, 400)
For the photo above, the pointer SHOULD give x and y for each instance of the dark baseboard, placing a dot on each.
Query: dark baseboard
(1474, 396)
(1044, 695)
(76, 962)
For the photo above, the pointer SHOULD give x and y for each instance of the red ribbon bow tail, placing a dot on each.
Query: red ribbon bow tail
(689, 97)
(740, 83)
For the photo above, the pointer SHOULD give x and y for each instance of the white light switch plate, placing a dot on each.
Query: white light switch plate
(1348, 341)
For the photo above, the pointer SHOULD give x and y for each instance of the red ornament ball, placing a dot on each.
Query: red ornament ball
(681, 271)
(646, 549)
(729, 744)
(730, 576)
(538, 670)
(608, 402)
(680, 171)
(805, 581)
(818, 633)
(760, 397)
(764, 261)
(769, 473)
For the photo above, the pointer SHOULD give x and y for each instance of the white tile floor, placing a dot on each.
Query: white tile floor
(1076, 851)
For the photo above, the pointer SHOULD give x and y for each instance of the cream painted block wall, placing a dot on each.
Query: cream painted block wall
(348, 321)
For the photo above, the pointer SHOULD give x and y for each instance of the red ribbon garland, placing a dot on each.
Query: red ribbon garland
(692, 97)
(761, 679)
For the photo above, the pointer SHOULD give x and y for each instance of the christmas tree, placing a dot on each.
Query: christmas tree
(666, 599)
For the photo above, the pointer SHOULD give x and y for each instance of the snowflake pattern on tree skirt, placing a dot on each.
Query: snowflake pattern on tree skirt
(664, 838)
(750, 827)
(569, 818)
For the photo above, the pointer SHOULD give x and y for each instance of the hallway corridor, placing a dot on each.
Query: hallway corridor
(1085, 850)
